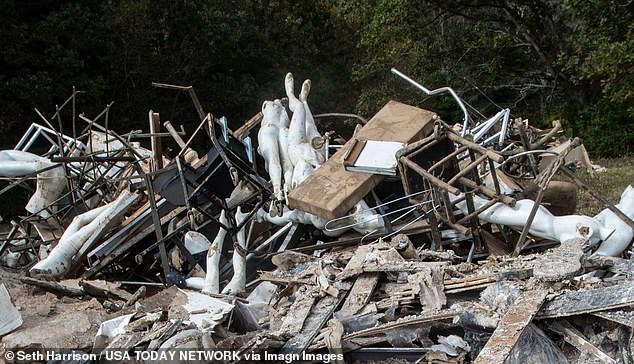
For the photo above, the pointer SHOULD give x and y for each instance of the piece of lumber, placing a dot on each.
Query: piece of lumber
(510, 328)
(404, 322)
(298, 312)
(321, 312)
(360, 293)
(104, 289)
(332, 191)
(619, 316)
(402, 266)
(355, 264)
(575, 338)
(53, 287)
(581, 302)
(243, 131)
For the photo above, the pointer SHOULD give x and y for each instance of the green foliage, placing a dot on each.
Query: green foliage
(607, 128)
(571, 59)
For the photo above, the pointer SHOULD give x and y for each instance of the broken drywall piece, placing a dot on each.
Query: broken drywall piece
(205, 311)
(110, 329)
(451, 345)
(10, 317)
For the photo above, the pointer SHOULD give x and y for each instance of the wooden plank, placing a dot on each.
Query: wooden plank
(402, 266)
(510, 328)
(298, 312)
(619, 316)
(580, 302)
(244, 130)
(360, 293)
(332, 191)
(321, 312)
(404, 322)
(575, 338)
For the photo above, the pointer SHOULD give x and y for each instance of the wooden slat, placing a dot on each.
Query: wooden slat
(332, 191)
(580, 302)
(360, 293)
(510, 328)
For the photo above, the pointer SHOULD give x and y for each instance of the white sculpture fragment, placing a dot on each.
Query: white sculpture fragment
(239, 279)
(50, 183)
(76, 234)
(303, 155)
(273, 146)
(362, 219)
(212, 276)
(291, 152)
(545, 224)
(623, 234)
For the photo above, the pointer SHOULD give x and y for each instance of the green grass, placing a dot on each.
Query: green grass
(611, 183)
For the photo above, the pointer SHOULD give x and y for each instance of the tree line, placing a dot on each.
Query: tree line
(545, 59)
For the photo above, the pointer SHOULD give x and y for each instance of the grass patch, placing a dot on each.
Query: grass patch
(611, 183)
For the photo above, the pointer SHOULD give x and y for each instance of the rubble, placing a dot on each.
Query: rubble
(415, 240)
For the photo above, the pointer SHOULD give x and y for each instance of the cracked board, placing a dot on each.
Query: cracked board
(511, 327)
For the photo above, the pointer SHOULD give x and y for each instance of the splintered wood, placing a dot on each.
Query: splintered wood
(509, 330)
(580, 302)
(428, 285)
(576, 339)
(360, 293)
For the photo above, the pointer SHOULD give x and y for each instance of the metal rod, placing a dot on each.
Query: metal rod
(465, 123)
(431, 178)
(156, 219)
(520, 242)
(476, 147)
(467, 169)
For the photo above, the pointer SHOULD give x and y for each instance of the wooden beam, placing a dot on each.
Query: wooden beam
(581, 302)
(360, 293)
(510, 328)
(575, 338)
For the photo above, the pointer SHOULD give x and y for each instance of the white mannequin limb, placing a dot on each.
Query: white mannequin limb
(545, 224)
(239, 280)
(212, 278)
(364, 219)
(272, 143)
(50, 183)
(312, 134)
(76, 234)
(299, 147)
(620, 240)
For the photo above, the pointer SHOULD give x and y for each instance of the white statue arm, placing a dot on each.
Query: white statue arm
(76, 234)
(212, 278)
(545, 224)
(622, 237)
(50, 183)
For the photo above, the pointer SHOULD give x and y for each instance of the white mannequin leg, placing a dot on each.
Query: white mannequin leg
(545, 224)
(76, 234)
(50, 183)
(212, 278)
(238, 282)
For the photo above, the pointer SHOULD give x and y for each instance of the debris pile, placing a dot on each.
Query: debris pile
(414, 240)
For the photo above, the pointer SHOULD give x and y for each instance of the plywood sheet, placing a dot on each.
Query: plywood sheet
(332, 191)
